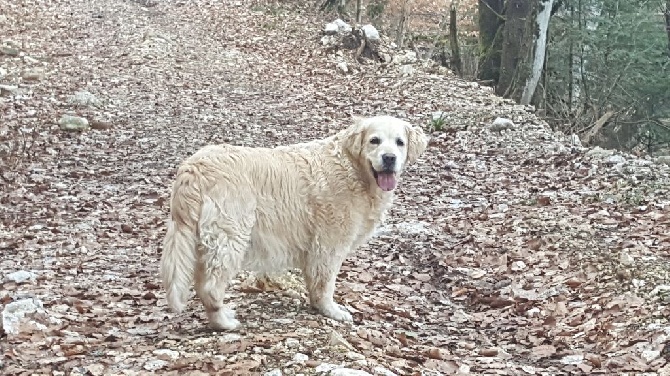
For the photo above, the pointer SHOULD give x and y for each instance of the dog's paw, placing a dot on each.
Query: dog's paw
(223, 319)
(337, 312)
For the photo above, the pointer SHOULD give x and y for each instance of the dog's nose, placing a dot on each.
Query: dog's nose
(388, 160)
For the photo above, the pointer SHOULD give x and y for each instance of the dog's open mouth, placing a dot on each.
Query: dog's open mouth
(386, 180)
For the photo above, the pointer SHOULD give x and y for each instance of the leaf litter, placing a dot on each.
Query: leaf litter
(510, 251)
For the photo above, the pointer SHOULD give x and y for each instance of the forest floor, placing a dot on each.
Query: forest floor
(509, 251)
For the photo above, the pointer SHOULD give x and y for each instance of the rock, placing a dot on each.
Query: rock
(408, 58)
(30, 60)
(20, 277)
(3, 73)
(501, 124)
(650, 355)
(300, 358)
(154, 364)
(73, 123)
(84, 98)
(274, 372)
(9, 51)
(33, 74)
(326, 367)
(599, 153)
(615, 159)
(292, 343)
(331, 28)
(95, 369)
(663, 159)
(518, 266)
(573, 359)
(342, 27)
(575, 141)
(342, 67)
(7, 90)
(626, 259)
(336, 339)
(383, 372)
(166, 354)
(407, 70)
(337, 26)
(348, 372)
(15, 315)
(371, 33)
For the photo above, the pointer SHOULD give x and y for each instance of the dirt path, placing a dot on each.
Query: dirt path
(508, 252)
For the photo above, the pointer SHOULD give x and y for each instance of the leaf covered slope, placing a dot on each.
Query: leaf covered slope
(510, 251)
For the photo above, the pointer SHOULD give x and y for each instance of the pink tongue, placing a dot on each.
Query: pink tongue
(386, 181)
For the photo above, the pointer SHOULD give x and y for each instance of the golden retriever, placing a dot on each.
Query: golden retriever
(303, 206)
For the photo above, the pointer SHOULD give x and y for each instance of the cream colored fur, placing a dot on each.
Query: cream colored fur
(301, 206)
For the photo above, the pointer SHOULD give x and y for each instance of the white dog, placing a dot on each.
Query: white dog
(301, 206)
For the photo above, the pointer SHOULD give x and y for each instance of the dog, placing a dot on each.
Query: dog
(266, 210)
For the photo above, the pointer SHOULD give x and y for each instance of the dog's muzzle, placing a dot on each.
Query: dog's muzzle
(386, 178)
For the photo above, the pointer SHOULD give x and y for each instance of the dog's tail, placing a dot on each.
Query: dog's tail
(179, 256)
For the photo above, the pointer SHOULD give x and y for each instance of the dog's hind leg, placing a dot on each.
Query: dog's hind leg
(320, 274)
(225, 240)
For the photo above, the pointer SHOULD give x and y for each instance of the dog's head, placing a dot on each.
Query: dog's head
(382, 146)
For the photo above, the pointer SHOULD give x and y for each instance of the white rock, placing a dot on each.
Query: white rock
(342, 66)
(20, 276)
(408, 58)
(33, 74)
(626, 259)
(8, 90)
(663, 159)
(171, 354)
(342, 27)
(84, 98)
(3, 73)
(616, 159)
(407, 70)
(370, 32)
(326, 367)
(650, 355)
(154, 364)
(383, 372)
(500, 124)
(300, 358)
(660, 290)
(598, 152)
(292, 342)
(331, 28)
(572, 359)
(348, 372)
(355, 356)
(439, 115)
(73, 123)
(15, 312)
(518, 266)
(274, 372)
(575, 141)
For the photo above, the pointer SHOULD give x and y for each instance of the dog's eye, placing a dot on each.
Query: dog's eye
(399, 142)
(375, 141)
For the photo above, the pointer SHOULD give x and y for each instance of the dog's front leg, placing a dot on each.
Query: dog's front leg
(320, 275)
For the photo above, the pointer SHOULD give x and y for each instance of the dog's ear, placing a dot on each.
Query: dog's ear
(352, 137)
(417, 143)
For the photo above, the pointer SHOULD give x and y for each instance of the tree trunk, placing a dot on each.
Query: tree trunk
(517, 42)
(453, 41)
(358, 11)
(402, 24)
(540, 48)
(490, 38)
